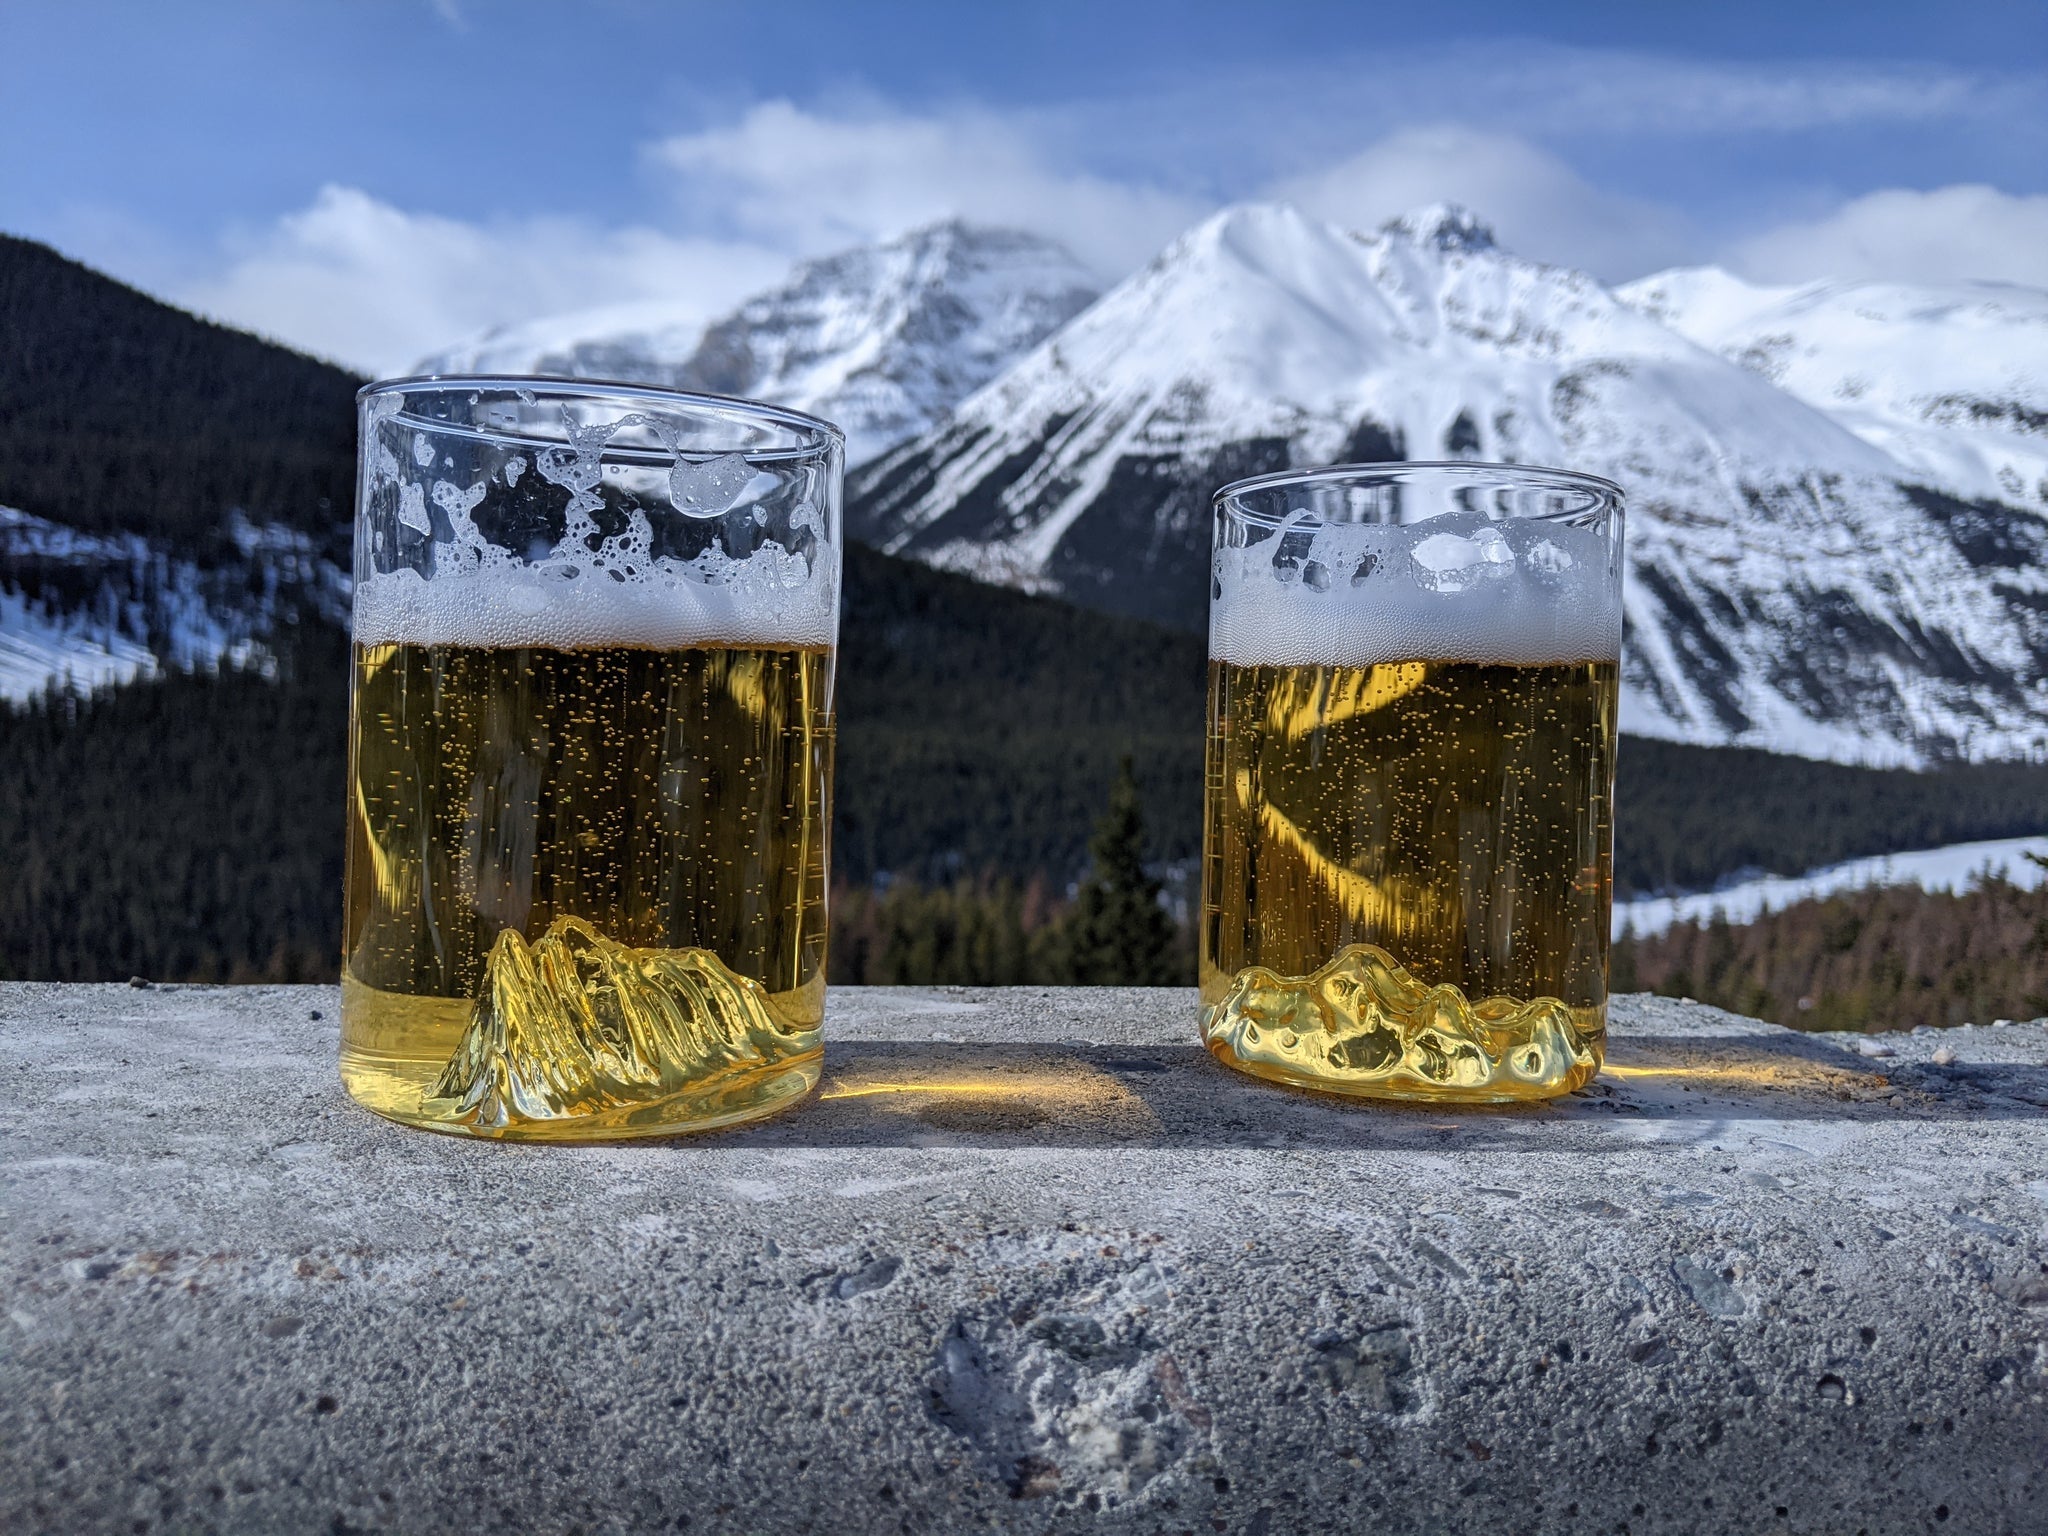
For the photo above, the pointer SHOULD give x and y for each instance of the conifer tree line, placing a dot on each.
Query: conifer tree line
(190, 829)
(1114, 931)
(124, 415)
(1890, 957)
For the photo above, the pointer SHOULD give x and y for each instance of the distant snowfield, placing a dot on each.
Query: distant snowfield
(122, 608)
(1932, 869)
(39, 650)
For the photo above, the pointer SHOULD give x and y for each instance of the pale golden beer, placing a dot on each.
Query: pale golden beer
(1407, 872)
(589, 793)
(614, 802)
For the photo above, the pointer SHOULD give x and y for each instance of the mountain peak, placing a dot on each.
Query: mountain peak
(883, 339)
(1270, 238)
(953, 234)
(1445, 226)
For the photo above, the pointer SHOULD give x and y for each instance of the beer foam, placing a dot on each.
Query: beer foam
(564, 608)
(1455, 588)
(619, 592)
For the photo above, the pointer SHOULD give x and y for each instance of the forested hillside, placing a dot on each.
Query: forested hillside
(1891, 958)
(1687, 816)
(979, 729)
(190, 827)
(122, 414)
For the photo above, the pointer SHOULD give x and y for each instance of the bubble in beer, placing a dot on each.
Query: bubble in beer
(458, 502)
(412, 509)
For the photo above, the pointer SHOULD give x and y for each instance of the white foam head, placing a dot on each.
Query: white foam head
(755, 602)
(585, 590)
(1521, 591)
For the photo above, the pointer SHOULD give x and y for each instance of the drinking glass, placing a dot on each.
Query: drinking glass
(1407, 860)
(590, 763)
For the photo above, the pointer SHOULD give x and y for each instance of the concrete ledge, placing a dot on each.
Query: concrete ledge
(1032, 1263)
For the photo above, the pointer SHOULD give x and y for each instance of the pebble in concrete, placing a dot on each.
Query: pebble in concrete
(1031, 1261)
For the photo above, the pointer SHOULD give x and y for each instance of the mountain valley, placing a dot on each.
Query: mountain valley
(174, 569)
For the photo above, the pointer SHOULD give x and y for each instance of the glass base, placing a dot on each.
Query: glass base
(402, 1090)
(1363, 1027)
(576, 1038)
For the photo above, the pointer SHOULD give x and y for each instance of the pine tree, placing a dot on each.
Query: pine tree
(1117, 934)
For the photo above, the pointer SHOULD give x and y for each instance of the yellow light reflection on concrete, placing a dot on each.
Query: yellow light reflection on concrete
(1781, 1076)
(1013, 1088)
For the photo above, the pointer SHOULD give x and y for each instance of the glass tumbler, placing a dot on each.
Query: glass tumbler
(590, 763)
(1408, 829)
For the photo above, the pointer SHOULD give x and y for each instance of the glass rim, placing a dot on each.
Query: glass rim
(819, 432)
(1230, 497)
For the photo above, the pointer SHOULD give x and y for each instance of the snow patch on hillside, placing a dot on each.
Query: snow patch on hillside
(1951, 381)
(85, 611)
(1954, 868)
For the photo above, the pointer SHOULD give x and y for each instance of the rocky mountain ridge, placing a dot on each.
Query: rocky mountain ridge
(1951, 381)
(1837, 491)
(882, 339)
(1793, 584)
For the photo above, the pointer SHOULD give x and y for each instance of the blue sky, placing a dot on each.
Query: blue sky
(376, 178)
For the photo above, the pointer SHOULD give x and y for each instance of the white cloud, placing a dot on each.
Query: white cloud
(809, 182)
(1950, 234)
(1538, 205)
(375, 287)
(1573, 90)
(354, 278)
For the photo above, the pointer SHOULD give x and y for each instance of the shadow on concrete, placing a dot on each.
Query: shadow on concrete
(950, 1093)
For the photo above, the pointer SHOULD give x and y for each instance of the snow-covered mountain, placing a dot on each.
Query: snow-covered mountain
(1950, 381)
(83, 611)
(1794, 584)
(1839, 493)
(883, 340)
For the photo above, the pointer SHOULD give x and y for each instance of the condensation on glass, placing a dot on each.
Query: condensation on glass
(590, 759)
(1408, 826)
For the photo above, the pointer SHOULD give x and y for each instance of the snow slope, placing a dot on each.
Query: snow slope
(1792, 584)
(883, 340)
(85, 611)
(1953, 868)
(1951, 382)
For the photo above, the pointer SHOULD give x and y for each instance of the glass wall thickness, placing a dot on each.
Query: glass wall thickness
(1407, 866)
(590, 757)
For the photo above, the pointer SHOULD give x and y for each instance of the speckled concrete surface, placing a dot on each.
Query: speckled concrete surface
(1032, 1262)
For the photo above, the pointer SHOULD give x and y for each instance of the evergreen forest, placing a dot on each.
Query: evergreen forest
(123, 414)
(1892, 957)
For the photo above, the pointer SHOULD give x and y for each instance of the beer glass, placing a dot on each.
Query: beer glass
(1407, 855)
(590, 757)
